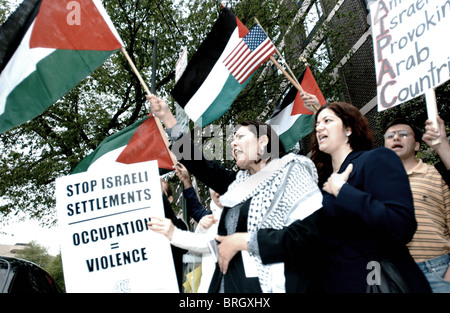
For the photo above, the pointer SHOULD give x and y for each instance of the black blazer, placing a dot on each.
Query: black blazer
(209, 172)
(372, 218)
(298, 246)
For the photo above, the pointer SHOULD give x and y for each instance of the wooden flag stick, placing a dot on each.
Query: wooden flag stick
(430, 99)
(135, 70)
(279, 54)
(294, 82)
(158, 122)
(292, 78)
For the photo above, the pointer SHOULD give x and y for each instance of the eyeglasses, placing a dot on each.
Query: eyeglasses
(401, 134)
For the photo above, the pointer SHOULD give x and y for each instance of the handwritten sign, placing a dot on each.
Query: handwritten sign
(412, 53)
(106, 245)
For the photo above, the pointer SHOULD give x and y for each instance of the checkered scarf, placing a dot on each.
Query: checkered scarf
(275, 191)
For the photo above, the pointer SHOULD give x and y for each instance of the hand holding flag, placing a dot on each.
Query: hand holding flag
(311, 102)
(161, 109)
(313, 106)
(294, 116)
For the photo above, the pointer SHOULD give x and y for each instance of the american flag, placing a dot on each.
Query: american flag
(253, 50)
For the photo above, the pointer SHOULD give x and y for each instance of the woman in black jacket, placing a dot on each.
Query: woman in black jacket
(367, 212)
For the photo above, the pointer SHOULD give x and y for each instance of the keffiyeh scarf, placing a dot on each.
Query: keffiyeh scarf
(285, 185)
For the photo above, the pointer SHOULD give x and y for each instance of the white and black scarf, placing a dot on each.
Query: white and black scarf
(283, 186)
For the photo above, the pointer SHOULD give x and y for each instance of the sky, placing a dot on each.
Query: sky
(27, 231)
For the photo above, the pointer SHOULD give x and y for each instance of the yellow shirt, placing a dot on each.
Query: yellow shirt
(432, 209)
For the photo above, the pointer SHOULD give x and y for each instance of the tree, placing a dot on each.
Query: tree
(55, 270)
(35, 253)
(38, 254)
(51, 145)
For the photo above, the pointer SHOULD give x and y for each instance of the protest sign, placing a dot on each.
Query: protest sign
(181, 64)
(180, 67)
(412, 53)
(106, 245)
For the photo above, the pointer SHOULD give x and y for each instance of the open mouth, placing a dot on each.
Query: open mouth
(322, 137)
(397, 146)
(237, 153)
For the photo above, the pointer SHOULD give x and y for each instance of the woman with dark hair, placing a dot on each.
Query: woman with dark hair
(367, 214)
(358, 136)
(270, 190)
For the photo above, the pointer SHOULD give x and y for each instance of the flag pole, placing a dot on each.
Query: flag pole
(294, 82)
(292, 78)
(279, 54)
(158, 122)
(135, 70)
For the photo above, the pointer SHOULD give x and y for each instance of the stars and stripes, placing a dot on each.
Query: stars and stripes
(254, 49)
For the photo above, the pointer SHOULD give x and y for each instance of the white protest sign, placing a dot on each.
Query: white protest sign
(180, 67)
(412, 53)
(106, 245)
(181, 64)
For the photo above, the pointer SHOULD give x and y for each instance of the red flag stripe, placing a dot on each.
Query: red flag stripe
(54, 29)
(147, 144)
(254, 49)
(245, 66)
(236, 50)
(239, 59)
(309, 85)
(260, 57)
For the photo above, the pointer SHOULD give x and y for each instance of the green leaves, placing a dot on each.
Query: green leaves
(36, 153)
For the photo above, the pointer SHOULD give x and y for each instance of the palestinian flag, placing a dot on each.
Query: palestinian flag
(294, 121)
(48, 47)
(221, 67)
(139, 142)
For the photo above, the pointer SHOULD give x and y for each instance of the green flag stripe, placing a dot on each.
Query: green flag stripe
(223, 101)
(55, 75)
(111, 143)
(302, 127)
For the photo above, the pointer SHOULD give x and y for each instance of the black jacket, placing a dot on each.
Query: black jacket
(371, 219)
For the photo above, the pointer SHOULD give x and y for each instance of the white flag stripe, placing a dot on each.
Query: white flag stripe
(209, 91)
(20, 66)
(260, 55)
(284, 119)
(249, 55)
(239, 59)
(237, 50)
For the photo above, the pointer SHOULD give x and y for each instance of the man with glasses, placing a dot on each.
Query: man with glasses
(430, 246)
